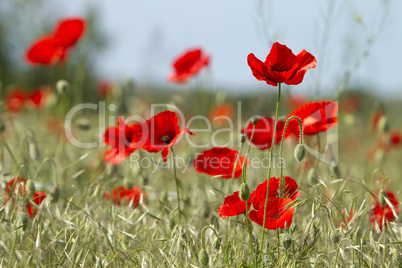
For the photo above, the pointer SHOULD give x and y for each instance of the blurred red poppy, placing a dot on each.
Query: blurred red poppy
(188, 64)
(281, 66)
(315, 116)
(380, 215)
(263, 133)
(68, 32)
(43, 51)
(278, 213)
(233, 205)
(104, 88)
(347, 217)
(51, 48)
(10, 186)
(123, 196)
(219, 161)
(15, 100)
(163, 132)
(38, 97)
(221, 113)
(37, 199)
(395, 137)
(124, 140)
(295, 100)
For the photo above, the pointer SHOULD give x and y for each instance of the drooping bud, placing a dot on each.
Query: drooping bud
(203, 257)
(244, 192)
(217, 243)
(335, 169)
(300, 152)
(381, 197)
(335, 237)
(54, 194)
(30, 186)
(62, 86)
(243, 138)
(286, 241)
(312, 176)
(383, 124)
(127, 183)
(22, 220)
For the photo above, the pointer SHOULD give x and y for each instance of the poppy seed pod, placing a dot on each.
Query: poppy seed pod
(62, 86)
(54, 195)
(383, 124)
(335, 237)
(30, 186)
(300, 152)
(203, 257)
(22, 220)
(381, 197)
(254, 121)
(244, 192)
(286, 241)
(243, 138)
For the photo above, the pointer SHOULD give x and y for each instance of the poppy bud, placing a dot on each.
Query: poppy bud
(217, 243)
(312, 176)
(254, 120)
(203, 257)
(244, 192)
(242, 138)
(22, 220)
(127, 183)
(335, 169)
(335, 237)
(62, 86)
(54, 195)
(381, 197)
(33, 150)
(286, 241)
(300, 152)
(83, 124)
(30, 186)
(383, 124)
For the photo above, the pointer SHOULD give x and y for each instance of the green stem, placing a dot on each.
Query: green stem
(202, 234)
(283, 137)
(234, 169)
(177, 183)
(270, 163)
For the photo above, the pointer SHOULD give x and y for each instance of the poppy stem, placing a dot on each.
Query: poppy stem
(270, 163)
(234, 169)
(249, 231)
(177, 183)
(281, 148)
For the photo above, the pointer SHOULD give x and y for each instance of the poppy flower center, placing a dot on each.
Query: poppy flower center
(280, 67)
(166, 139)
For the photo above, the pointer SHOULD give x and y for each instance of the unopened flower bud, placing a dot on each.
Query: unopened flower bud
(22, 220)
(30, 186)
(217, 243)
(300, 152)
(312, 176)
(383, 124)
(335, 237)
(244, 192)
(127, 183)
(203, 257)
(54, 195)
(286, 241)
(62, 86)
(381, 197)
(255, 120)
(243, 138)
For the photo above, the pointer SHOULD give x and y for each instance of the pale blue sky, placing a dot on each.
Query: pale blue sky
(145, 36)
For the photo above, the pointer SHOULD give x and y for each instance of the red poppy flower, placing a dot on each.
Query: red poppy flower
(263, 133)
(163, 131)
(221, 113)
(37, 199)
(281, 66)
(10, 186)
(15, 100)
(315, 116)
(68, 32)
(39, 96)
(274, 183)
(123, 139)
(295, 100)
(395, 137)
(278, 213)
(347, 217)
(382, 214)
(233, 205)
(104, 88)
(123, 196)
(219, 161)
(188, 64)
(43, 51)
